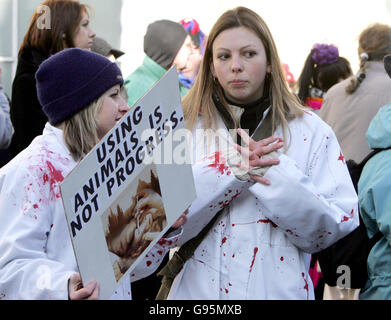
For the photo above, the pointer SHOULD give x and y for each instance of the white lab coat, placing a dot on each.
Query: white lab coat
(36, 255)
(260, 246)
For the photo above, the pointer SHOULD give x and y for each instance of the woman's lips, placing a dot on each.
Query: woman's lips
(238, 83)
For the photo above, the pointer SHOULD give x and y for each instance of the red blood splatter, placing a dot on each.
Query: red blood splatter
(230, 284)
(226, 291)
(282, 259)
(305, 281)
(35, 206)
(219, 163)
(149, 263)
(259, 221)
(160, 252)
(347, 218)
(267, 221)
(200, 261)
(224, 240)
(341, 157)
(226, 203)
(163, 242)
(54, 177)
(252, 263)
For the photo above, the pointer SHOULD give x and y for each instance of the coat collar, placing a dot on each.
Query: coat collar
(58, 136)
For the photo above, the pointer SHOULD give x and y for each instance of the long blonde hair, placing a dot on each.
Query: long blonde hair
(81, 130)
(199, 99)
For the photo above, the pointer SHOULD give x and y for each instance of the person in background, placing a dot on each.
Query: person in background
(6, 129)
(102, 47)
(69, 27)
(322, 69)
(198, 39)
(80, 94)
(289, 200)
(166, 43)
(374, 192)
(350, 105)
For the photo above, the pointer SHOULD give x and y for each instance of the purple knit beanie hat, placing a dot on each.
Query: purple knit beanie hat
(71, 80)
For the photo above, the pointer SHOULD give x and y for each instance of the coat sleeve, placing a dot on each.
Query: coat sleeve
(26, 270)
(314, 209)
(154, 257)
(375, 205)
(27, 115)
(6, 129)
(216, 187)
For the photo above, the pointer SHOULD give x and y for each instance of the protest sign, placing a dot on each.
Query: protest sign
(122, 198)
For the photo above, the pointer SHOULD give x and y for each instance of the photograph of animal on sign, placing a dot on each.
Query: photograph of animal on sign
(134, 221)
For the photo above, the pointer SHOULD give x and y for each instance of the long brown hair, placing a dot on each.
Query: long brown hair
(374, 45)
(199, 99)
(65, 17)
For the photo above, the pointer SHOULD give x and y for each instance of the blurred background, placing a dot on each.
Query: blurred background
(295, 25)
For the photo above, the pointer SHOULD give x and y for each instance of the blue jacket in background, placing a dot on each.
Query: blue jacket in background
(374, 191)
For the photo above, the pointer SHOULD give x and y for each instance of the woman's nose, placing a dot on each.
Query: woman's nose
(123, 106)
(236, 64)
(92, 33)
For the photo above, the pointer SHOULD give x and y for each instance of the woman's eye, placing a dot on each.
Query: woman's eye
(224, 56)
(250, 54)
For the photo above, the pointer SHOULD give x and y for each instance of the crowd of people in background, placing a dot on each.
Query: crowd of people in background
(296, 195)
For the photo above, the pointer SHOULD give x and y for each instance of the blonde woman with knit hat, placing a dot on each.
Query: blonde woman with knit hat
(79, 92)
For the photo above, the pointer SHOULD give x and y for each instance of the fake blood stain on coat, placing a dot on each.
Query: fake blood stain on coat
(54, 177)
(219, 163)
(347, 218)
(253, 261)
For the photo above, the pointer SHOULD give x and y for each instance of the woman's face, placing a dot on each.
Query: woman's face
(183, 56)
(191, 58)
(113, 109)
(84, 36)
(240, 64)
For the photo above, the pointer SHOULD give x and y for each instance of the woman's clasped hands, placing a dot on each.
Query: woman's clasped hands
(259, 156)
